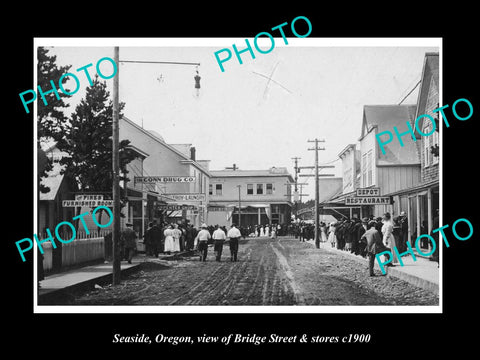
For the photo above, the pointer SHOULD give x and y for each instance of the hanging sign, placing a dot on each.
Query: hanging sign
(91, 203)
(368, 200)
(368, 192)
(88, 197)
(187, 197)
(173, 207)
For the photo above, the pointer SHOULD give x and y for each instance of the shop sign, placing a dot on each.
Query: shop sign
(163, 179)
(368, 192)
(368, 200)
(91, 203)
(187, 197)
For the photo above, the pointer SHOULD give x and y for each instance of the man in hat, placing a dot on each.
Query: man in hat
(234, 235)
(128, 238)
(403, 221)
(202, 242)
(218, 238)
(374, 245)
(361, 227)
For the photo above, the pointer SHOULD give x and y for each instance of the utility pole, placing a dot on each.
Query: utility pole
(317, 191)
(316, 141)
(239, 205)
(116, 155)
(116, 177)
(297, 170)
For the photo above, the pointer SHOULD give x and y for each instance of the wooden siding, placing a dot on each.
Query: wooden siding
(395, 178)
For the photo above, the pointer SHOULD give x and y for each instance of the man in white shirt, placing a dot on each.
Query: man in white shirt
(234, 235)
(218, 238)
(202, 242)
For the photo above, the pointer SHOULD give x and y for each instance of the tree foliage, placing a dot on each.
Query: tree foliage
(88, 141)
(50, 118)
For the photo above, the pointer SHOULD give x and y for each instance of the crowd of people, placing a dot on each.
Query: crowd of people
(366, 237)
(171, 238)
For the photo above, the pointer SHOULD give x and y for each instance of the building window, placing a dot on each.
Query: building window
(249, 189)
(364, 170)
(269, 189)
(210, 189)
(259, 189)
(428, 142)
(218, 189)
(369, 168)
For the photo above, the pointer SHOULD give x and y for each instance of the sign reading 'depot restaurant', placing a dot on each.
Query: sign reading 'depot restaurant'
(368, 196)
(163, 179)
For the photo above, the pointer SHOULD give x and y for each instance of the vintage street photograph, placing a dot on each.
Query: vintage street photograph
(165, 184)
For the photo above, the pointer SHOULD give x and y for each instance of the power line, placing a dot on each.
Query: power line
(159, 62)
(419, 81)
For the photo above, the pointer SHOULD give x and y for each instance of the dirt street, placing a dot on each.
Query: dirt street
(269, 272)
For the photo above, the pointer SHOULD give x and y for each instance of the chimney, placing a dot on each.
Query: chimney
(192, 153)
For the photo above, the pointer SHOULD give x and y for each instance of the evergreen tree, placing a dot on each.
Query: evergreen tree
(51, 119)
(87, 140)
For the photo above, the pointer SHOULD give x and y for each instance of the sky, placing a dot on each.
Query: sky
(318, 89)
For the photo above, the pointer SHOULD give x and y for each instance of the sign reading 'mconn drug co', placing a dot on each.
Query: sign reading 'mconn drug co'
(163, 179)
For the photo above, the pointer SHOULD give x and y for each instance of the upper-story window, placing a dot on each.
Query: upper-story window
(367, 169)
(210, 189)
(269, 188)
(249, 189)
(218, 189)
(259, 189)
(428, 142)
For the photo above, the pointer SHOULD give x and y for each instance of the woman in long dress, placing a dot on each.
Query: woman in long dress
(261, 232)
(177, 233)
(331, 235)
(267, 231)
(169, 241)
(323, 234)
(388, 238)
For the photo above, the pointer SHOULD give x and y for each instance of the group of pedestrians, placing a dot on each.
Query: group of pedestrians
(370, 236)
(219, 237)
(172, 238)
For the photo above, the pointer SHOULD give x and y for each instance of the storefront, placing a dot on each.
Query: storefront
(421, 205)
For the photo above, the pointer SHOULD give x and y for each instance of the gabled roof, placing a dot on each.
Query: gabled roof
(381, 118)
(430, 77)
(52, 181)
(154, 135)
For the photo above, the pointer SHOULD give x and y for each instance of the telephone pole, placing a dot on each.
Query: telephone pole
(116, 175)
(317, 190)
(316, 141)
(297, 170)
(116, 154)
